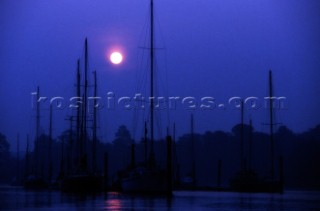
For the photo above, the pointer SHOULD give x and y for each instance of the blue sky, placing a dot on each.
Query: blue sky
(218, 48)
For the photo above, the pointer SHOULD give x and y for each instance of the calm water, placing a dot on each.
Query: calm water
(17, 198)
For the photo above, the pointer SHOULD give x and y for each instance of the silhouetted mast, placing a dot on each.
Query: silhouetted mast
(94, 141)
(78, 110)
(242, 138)
(177, 169)
(271, 123)
(27, 159)
(36, 157)
(151, 79)
(250, 144)
(61, 160)
(18, 157)
(174, 132)
(145, 141)
(193, 171)
(85, 93)
(50, 145)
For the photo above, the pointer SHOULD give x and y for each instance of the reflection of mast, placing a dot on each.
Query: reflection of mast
(151, 81)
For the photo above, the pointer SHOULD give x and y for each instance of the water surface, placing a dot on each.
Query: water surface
(17, 198)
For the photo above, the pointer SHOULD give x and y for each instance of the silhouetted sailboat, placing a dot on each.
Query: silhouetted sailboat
(35, 180)
(188, 181)
(81, 179)
(149, 177)
(247, 180)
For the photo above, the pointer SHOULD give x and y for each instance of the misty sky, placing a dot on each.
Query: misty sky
(217, 48)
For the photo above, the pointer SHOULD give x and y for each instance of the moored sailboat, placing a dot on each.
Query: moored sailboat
(247, 180)
(149, 177)
(81, 179)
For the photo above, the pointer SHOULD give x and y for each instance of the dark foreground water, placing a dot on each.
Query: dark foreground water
(12, 198)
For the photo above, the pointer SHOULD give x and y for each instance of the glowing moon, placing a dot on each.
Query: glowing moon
(116, 58)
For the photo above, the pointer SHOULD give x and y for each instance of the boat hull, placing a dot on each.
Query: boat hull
(256, 185)
(82, 183)
(151, 183)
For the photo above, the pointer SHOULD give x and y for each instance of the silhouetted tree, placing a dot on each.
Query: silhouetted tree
(4, 158)
(4, 147)
(122, 136)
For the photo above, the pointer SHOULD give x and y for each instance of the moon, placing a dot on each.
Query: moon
(116, 58)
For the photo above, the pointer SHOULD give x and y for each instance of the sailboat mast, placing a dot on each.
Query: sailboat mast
(94, 144)
(151, 75)
(145, 142)
(78, 108)
(271, 123)
(69, 145)
(50, 145)
(36, 157)
(85, 93)
(174, 132)
(18, 157)
(193, 151)
(250, 144)
(242, 137)
(27, 159)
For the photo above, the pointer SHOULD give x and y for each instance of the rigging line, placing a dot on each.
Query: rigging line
(139, 79)
(135, 120)
(141, 134)
(145, 76)
(140, 66)
(142, 73)
(160, 31)
(159, 125)
(144, 28)
(167, 92)
(140, 86)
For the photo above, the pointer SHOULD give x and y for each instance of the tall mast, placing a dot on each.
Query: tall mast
(242, 138)
(69, 146)
(18, 157)
(271, 123)
(94, 143)
(193, 151)
(36, 157)
(151, 78)
(50, 145)
(85, 92)
(78, 109)
(250, 144)
(174, 132)
(61, 159)
(145, 142)
(27, 159)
